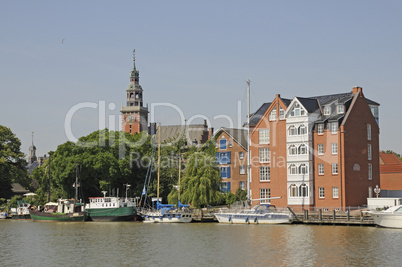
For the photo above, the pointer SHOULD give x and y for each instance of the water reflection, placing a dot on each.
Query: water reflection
(131, 243)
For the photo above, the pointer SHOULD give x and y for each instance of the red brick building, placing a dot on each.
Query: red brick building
(231, 157)
(318, 151)
(390, 171)
(134, 115)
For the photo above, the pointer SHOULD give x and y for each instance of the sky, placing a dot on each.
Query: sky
(63, 61)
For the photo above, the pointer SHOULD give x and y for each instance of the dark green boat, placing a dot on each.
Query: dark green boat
(63, 211)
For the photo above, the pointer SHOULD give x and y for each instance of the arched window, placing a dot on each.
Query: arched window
(297, 110)
(292, 150)
(293, 190)
(302, 149)
(292, 130)
(303, 169)
(303, 190)
(302, 130)
(292, 169)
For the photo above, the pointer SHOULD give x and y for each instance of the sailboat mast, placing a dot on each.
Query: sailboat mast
(76, 181)
(248, 141)
(159, 158)
(178, 196)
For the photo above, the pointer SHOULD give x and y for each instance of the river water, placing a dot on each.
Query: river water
(211, 244)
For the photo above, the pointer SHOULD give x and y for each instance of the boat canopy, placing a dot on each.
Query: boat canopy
(183, 205)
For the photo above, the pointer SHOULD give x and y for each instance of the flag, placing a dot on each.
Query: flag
(143, 191)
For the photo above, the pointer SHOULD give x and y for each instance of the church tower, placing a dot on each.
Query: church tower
(134, 115)
(32, 153)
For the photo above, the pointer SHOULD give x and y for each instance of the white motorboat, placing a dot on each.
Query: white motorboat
(260, 214)
(391, 217)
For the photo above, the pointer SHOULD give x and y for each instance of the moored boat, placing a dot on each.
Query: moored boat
(111, 209)
(390, 218)
(22, 211)
(167, 213)
(3, 215)
(260, 214)
(63, 211)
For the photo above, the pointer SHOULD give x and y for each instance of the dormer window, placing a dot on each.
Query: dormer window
(340, 109)
(327, 110)
(297, 111)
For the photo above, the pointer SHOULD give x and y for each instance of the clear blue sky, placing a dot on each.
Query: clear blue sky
(196, 55)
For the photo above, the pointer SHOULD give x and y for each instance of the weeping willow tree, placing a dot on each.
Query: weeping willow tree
(200, 185)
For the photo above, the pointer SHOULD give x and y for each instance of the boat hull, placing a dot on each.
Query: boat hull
(387, 220)
(239, 218)
(112, 214)
(155, 217)
(21, 216)
(69, 217)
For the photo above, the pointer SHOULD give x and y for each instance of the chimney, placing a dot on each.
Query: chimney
(278, 96)
(357, 89)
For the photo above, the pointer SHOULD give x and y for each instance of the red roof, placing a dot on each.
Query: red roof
(389, 158)
(391, 168)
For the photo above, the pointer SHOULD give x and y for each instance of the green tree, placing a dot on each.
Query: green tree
(12, 162)
(106, 160)
(201, 181)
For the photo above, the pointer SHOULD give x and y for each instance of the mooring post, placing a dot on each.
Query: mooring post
(334, 211)
(320, 214)
(348, 214)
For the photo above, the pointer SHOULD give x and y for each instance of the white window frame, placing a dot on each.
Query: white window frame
(230, 143)
(334, 148)
(242, 169)
(320, 169)
(294, 168)
(241, 155)
(335, 192)
(334, 127)
(265, 174)
(320, 128)
(281, 113)
(340, 109)
(263, 136)
(292, 130)
(334, 168)
(303, 190)
(320, 149)
(265, 193)
(293, 190)
(303, 169)
(370, 171)
(272, 115)
(369, 152)
(264, 155)
(302, 148)
(242, 185)
(368, 132)
(321, 192)
(327, 110)
(302, 128)
(292, 150)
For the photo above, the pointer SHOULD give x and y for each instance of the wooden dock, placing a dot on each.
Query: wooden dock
(357, 217)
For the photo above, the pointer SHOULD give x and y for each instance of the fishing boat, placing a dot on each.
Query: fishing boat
(165, 213)
(65, 210)
(260, 214)
(22, 211)
(112, 208)
(390, 218)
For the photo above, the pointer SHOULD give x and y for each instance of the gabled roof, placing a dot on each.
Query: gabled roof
(256, 117)
(18, 189)
(238, 135)
(310, 104)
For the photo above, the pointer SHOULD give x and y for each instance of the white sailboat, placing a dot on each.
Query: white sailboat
(167, 213)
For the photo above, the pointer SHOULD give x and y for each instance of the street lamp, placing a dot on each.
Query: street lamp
(127, 187)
